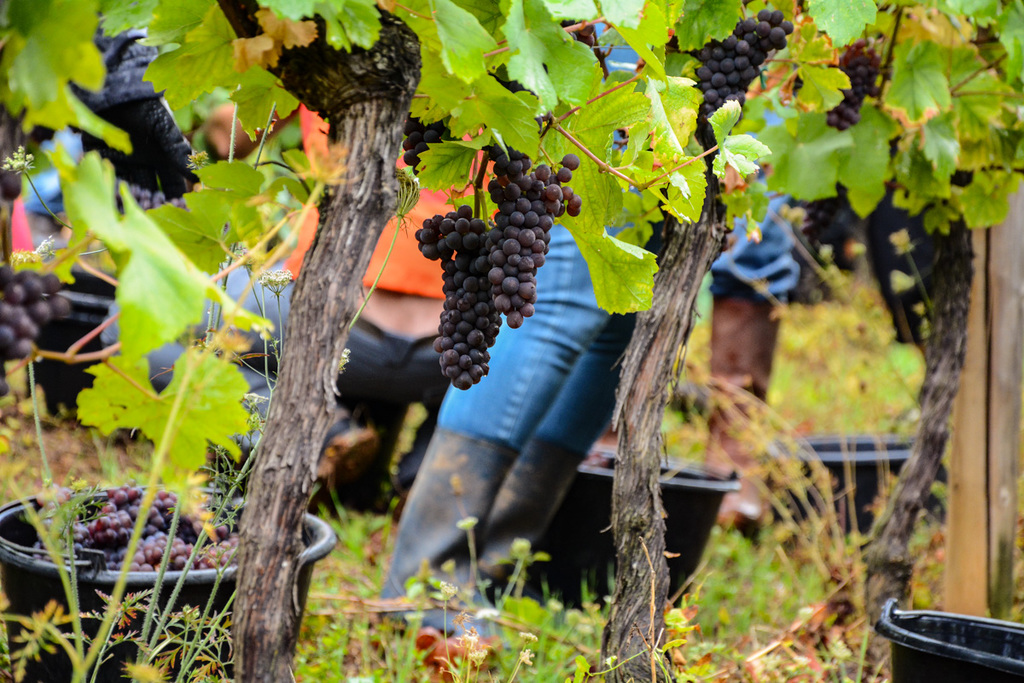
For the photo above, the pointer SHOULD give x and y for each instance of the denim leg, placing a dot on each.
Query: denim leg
(529, 365)
(584, 406)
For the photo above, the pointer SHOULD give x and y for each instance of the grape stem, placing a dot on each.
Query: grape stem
(413, 12)
(79, 358)
(887, 64)
(97, 273)
(95, 332)
(593, 157)
(568, 29)
(131, 380)
(977, 72)
(607, 92)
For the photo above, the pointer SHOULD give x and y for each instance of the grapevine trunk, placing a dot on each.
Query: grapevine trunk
(365, 95)
(636, 623)
(889, 565)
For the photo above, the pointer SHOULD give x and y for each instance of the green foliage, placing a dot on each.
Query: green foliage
(843, 20)
(201, 404)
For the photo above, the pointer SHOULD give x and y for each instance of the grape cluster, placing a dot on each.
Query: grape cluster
(29, 301)
(469, 322)
(729, 66)
(861, 64)
(418, 136)
(110, 529)
(528, 204)
(586, 35)
(148, 199)
(10, 185)
(818, 216)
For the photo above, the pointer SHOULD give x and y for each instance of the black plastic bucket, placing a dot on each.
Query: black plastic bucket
(580, 540)
(90, 299)
(935, 647)
(30, 583)
(860, 467)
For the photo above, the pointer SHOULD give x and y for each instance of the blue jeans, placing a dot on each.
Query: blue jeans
(760, 271)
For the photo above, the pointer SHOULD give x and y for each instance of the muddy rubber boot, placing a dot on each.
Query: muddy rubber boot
(743, 337)
(527, 502)
(459, 478)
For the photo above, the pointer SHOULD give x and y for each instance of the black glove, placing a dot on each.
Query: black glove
(159, 158)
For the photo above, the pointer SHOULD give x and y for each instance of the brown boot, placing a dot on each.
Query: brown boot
(743, 336)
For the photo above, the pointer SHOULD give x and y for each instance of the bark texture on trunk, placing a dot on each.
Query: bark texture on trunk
(365, 95)
(636, 623)
(889, 566)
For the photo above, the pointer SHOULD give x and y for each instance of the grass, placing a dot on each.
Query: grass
(782, 608)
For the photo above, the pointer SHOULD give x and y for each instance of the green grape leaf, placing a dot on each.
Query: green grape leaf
(704, 20)
(209, 404)
(620, 12)
(673, 106)
(985, 201)
(940, 144)
(919, 86)
(205, 61)
(652, 32)
(749, 204)
(916, 176)
(118, 16)
(1011, 35)
(978, 10)
(823, 86)
(174, 19)
(47, 45)
(463, 40)
(231, 175)
(68, 110)
(602, 199)
(488, 13)
(864, 166)
(258, 91)
(197, 234)
(623, 108)
(350, 23)
(544, 58)
(685, 194)
(723, 120)
(445, 165)
(976, 115)
(623, 274)
(805, 155)
(843, 20)
(574, 10)
(291, 9)
(741, 152)
(161, 292)
(486, 104)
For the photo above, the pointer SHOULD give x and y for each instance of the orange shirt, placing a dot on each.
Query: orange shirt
(405, 270)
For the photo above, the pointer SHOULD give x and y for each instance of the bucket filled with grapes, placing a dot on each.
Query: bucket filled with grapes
(186, 558)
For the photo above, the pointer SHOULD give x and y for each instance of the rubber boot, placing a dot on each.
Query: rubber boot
(743, 337)
(527, 502)
(460, 478)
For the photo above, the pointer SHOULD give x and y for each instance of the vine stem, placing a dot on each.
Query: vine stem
(593, 157)
(686, 163)
(77, 358)
(74, 348)
(887, 64)
(607, 92)
(977, 72)
(568, 29)
(413, 12)
(39, 426)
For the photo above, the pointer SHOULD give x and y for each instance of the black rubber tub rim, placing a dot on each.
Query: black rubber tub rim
(320, 535)
(890, 625)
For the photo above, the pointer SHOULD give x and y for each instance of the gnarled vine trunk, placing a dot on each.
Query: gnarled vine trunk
(636, 623)
(365, 95)
(889, 566)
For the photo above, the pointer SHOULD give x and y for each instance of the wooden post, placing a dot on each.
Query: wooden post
(982, 520)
